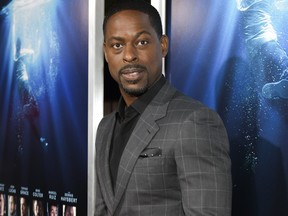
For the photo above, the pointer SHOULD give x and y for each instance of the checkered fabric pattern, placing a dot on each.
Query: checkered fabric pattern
(176, 162)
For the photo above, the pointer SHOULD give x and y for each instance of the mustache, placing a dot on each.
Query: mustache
(129, 68)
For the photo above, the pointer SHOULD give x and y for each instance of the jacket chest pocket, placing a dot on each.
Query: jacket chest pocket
(150, 164)
(152, 160)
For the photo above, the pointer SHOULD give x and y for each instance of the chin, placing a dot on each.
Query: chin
(136, 92)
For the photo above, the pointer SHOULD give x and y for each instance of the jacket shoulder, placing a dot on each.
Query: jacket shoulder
(181, 101)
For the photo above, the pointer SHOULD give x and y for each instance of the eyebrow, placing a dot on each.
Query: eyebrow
(122, 39)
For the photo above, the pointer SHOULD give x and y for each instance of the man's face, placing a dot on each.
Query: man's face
(12, 205)
(2, 204)
(70, 211)
(53, 211)
(23, 207)
(36, 208)
(133, 51)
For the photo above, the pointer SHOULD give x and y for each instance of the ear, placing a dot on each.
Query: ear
(164, 45)
(104, 50)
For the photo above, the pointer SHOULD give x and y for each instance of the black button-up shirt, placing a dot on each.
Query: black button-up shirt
(126, 120)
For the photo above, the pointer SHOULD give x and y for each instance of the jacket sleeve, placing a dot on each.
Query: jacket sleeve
(100, 207)
(204, 165)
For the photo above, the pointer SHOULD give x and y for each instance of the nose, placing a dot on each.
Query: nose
(130, 54)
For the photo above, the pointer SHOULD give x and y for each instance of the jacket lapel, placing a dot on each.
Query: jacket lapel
(142, 135)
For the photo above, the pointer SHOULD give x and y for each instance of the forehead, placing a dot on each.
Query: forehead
(127, 20)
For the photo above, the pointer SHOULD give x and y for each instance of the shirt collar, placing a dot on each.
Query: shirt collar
(141, 103)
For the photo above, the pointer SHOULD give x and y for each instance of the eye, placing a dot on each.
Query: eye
(117, 46)
(142, 43)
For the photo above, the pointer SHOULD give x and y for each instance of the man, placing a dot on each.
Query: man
(29, 107)
(70, 211)
(53, 210)
(23, 207)
(160, 152)
(2, 205)
(37, 208)
(12, 205)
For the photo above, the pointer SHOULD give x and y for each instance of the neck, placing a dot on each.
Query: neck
(128, 98)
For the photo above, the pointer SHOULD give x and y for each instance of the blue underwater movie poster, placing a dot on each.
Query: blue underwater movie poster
(232, 56)
(43, 97)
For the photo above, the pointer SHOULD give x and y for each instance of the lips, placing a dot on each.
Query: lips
(132, 74)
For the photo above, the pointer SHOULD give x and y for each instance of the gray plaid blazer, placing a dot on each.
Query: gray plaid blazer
(176, 162)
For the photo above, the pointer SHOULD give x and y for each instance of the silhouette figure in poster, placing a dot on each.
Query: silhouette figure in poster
(28, 109)
(263, 46)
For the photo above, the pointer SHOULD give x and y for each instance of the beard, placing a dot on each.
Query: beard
(136, 92)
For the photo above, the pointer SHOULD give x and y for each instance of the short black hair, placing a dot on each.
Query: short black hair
(141, 6)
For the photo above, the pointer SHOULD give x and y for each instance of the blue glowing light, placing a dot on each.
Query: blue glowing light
(43, 79)
(32, 60)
